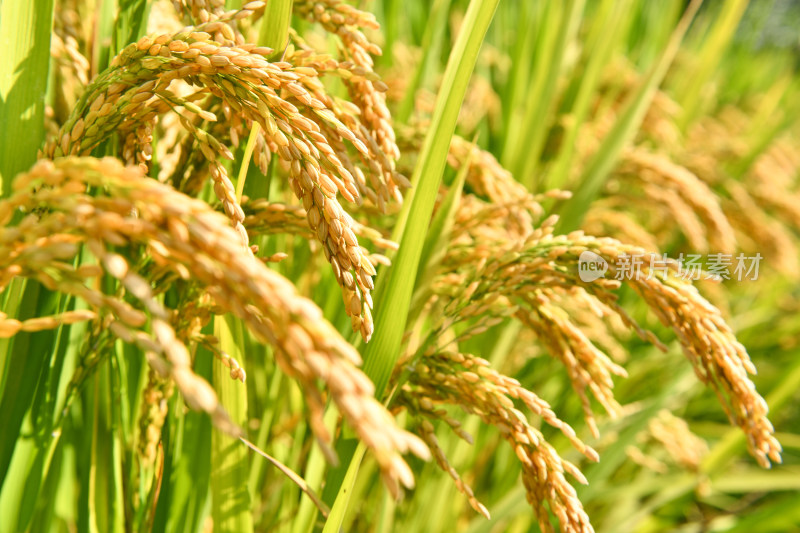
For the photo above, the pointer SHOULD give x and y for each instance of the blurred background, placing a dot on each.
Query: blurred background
(691, 151)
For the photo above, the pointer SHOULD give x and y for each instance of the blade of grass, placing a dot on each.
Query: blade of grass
(758, 480)
(103, 35)
(381, 354)
(29, 355)
(289, 473)
(431, 44)
(334, 522)
(274, 401)
(442, 224)
(314, 474)
(781, 514)
(183, 501)
(541, 103)
(274, 31)
(602, 42)
(624, 129)
(544, 29)
(230, 497)
(25, 29)
(130, 23)
(518, 22)
(709, 58)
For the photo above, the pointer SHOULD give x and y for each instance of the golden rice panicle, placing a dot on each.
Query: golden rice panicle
(424, 409)
(488, 179)
(236, 371)
(200, 10)
(152, 415)
(167, 353)
(494, 270)
(761, 221)
(263, 217)
(719, 360)
(366, 91)
(606, 218)
(191, 316)
(487, 279)
(759, 232)
(681, 445)
(588, 368)
(71, 68)
(333, 227)
(207, 11)
(666, 442)
(772, 179)
(464, 380)
(187, 237)
(683, 194)
(128, 97)
(11, 326)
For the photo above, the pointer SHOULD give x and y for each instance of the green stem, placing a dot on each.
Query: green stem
(275, 26)
(380, 356)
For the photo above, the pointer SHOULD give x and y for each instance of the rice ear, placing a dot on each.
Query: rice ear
(186, 235)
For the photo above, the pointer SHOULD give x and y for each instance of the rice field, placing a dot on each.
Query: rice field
(461, 265)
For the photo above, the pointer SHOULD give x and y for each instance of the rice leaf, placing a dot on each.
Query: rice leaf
(624, 129)
(709, 57)
(431, 44)
(381, 354)
(230, 498)
(558, 28)
(334, 522)
(274, 31)
(435, 240)
(606, 35)
(130, 23)
(25, 29)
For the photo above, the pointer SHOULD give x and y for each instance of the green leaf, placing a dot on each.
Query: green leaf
(25, 28)
(393, 295)
(526, 135)
(709, 57)
(393, 302)
(442, 224)
(230, 497)
(130, 24)
(431, 44)
(334, 522)
(600, 166)
(274, 31)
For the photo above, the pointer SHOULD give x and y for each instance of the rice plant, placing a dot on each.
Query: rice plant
(309, 266)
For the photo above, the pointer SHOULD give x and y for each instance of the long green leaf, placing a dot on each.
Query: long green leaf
(623, 131)
(606, 36)
(230, 497)
(381, 354)
(275, 26)
(710, 55)
(130, 23)
(25, 28)
(431, 44)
